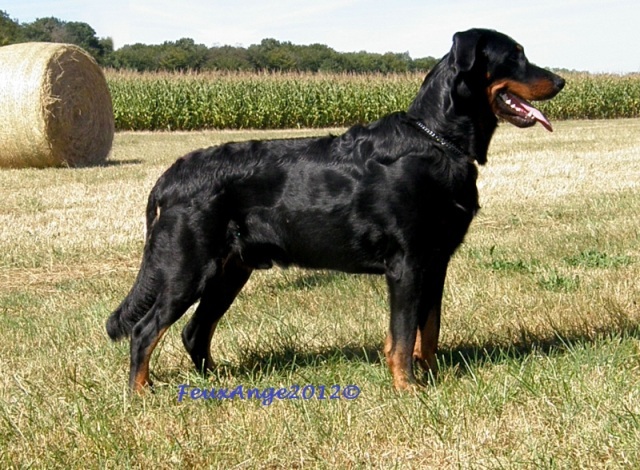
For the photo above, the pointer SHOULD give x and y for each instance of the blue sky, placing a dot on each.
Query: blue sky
(598, 36)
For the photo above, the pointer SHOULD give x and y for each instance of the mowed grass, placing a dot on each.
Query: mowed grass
(540, 346)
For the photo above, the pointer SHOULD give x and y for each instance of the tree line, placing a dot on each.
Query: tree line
(184, 54)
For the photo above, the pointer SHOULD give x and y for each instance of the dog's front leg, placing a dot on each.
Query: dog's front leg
(404, 283)
(424, 352)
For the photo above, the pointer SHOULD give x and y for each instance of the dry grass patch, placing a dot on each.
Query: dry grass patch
(540, 344)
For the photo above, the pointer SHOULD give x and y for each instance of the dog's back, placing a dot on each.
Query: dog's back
(326, 203)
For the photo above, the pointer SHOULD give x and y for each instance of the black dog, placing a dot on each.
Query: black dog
(395, 197)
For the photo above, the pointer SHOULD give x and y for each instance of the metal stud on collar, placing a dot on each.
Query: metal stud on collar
(439, 139)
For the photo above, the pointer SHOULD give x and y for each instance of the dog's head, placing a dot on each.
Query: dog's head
(498, 64)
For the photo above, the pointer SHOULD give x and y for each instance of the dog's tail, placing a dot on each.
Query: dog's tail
(135, 306)
(143, 294)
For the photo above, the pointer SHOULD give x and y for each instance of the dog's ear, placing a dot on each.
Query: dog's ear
(464, 49)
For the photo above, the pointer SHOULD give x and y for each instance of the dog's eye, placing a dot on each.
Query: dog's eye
(518, 52)
(515, 57)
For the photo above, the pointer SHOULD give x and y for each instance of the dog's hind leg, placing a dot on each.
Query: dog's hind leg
(149, 330)
(218, 295)
(179, 262)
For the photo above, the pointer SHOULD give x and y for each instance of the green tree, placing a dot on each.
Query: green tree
(9, 29)
(137, 56)
(106, 44)
(180, 55)
(185, 54)
(83, 35)
(227, 58)
(45, 30)
(78, 33)
(395, 63)
(423, 64)
(314, 57)
(258, 53)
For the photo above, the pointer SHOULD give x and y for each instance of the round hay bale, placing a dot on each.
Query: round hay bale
(55, 107)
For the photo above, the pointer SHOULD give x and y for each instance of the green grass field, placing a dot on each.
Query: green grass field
(540, 349)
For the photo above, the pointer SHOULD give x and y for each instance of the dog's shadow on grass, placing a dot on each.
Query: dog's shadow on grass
(461, 360)
(296, 359)
(309, 281)
(465, 358)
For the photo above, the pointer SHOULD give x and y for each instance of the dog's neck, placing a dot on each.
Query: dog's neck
(441, 140)
(462, 116)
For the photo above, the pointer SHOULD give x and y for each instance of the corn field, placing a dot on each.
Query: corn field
(164, 101)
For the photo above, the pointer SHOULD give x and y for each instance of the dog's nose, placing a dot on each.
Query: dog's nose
(559, 82)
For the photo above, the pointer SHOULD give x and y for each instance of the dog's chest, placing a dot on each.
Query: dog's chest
(435, 203)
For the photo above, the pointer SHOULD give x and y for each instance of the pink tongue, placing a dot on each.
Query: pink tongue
(537, 115)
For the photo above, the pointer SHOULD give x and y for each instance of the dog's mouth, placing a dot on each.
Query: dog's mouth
(518, 111)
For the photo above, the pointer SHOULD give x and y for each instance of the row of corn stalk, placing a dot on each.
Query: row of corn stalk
(164, 101)
(596, 97)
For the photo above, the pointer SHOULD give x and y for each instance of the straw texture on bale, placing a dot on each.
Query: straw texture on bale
(55, 107)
